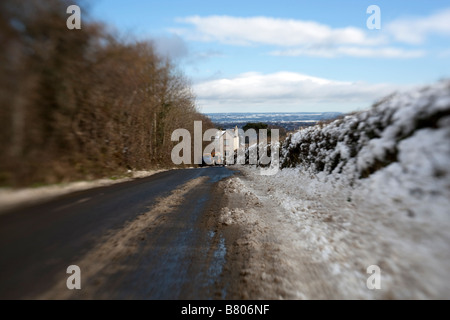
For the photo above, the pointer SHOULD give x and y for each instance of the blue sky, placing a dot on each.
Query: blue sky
(291, 56)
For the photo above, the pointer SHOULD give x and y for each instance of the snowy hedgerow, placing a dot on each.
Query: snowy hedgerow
(362, 143)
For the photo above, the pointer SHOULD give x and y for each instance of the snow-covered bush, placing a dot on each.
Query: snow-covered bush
(362, 143)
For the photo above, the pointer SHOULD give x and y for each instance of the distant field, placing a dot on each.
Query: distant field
(290, 121)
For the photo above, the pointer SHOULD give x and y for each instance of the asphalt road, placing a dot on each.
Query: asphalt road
(180, 258)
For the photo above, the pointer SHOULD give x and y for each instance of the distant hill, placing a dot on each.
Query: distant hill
(290, 121)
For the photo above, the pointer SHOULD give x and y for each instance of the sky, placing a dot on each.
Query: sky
(291, 55)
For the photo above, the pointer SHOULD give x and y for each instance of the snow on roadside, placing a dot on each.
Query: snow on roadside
(325, 236)
(369, 189)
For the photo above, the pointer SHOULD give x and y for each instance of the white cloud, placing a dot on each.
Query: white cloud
(360, 52)
(311, 38)
(287, 90)
(270, 31)
(415, 30)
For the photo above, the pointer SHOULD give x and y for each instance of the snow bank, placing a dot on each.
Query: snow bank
(327, 234)
(372, 188)
(402, 144)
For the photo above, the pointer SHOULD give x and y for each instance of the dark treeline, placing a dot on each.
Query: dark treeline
(81, 104)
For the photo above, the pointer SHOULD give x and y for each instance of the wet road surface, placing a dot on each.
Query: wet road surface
(180, 256)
